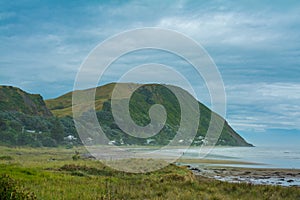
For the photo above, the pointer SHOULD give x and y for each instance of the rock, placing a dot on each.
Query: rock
(87, 156)
(195, 169)
(246, 173)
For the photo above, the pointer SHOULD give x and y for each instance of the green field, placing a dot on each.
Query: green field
(52, 173)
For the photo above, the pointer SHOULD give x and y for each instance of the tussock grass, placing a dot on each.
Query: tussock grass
(53, 174)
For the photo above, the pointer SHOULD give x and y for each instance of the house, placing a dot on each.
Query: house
(204, 141)
(113, 142)
(70, 138)
(200, 137)
(149, 141)
(30, 131)
(121, 141)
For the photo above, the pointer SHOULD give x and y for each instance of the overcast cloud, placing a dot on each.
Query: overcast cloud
(256, 46)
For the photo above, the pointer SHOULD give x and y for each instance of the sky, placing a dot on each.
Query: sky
(255, 45)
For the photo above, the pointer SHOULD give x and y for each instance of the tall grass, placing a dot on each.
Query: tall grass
(53, 174)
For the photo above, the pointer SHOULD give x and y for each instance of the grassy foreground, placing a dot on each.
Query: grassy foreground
(51, 173)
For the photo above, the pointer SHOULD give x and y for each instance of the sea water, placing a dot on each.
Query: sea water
(259, 157)
(262, 156)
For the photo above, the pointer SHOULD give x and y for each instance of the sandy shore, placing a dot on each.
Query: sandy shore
(282, 177)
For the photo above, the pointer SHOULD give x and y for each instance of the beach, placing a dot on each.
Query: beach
(266, 176)
(255, 165)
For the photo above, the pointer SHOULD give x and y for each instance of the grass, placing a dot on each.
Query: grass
(139, 105)
(62, 106)
(51, 173)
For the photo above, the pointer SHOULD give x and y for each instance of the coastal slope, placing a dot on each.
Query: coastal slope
(140, 102)
(13, 99)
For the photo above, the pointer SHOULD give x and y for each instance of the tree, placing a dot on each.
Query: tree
(106, 106)
(48, 142)
(57, 131)
(3, 126)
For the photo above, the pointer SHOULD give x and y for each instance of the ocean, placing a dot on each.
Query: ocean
(263, 156)
(259, 157)
(268, 165)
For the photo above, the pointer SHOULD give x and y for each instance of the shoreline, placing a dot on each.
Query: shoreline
(235, 172)
(215, 169)
(256, 176)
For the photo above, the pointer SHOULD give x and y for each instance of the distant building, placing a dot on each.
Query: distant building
(88, 141)
(121, 141)
(70, 138)
(113, 142)
(149, 141)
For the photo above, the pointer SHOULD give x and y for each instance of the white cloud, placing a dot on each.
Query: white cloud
(258, 92)
(262, 106)
(236, 28)
(251, 44)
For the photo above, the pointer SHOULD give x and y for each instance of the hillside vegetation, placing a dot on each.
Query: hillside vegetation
(15, 99)
(25, 119)
(140, 102)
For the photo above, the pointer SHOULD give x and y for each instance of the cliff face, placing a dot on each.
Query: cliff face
(16, 100)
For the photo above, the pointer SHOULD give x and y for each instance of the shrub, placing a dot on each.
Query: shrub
(76, 156)
(49, 142)
(6, 158)
(10, 190)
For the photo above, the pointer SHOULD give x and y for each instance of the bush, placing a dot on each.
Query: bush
(36, 143)
(76, 156)
(6, 158)
(10, 190)
(49, 142)
(69, 146)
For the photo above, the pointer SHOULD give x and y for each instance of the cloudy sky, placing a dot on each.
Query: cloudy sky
(255, 45)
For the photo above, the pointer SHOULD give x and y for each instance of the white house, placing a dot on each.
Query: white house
(70, 138)
(150, 140)
(112, 142)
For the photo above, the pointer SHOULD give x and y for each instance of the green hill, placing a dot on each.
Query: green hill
(15, 99)
(25, 120)
(140, 103)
